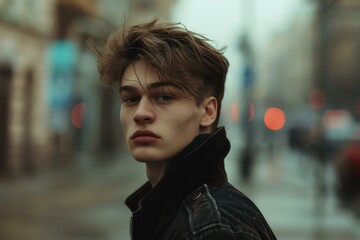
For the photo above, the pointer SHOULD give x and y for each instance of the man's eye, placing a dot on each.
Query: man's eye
(164, 97)
(130, 100)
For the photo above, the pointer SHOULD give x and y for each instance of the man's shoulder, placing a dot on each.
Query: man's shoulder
(220, 212)
(228, 196)
(225, 207)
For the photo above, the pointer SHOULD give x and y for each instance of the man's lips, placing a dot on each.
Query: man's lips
(143, 133)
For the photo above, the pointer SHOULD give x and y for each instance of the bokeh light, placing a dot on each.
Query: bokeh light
(317, 99)
(251, 112)
(274, 118)
(336, 118)
(235, 112)
(77, 115)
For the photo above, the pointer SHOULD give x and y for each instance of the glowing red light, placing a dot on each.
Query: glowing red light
(274, 118)
(317, 99)
(77, 115)
(251, 112)
(235, 112)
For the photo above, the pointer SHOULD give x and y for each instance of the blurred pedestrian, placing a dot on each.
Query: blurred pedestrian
(348, 176)
(171, 84)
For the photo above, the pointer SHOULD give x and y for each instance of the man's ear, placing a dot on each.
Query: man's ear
(210, 107)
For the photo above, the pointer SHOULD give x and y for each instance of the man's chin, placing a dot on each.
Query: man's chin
(150, 155)
(146, 156)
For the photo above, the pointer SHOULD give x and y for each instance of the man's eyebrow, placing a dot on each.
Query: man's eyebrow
(129, 88)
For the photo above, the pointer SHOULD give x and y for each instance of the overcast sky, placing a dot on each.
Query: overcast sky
(224, 20)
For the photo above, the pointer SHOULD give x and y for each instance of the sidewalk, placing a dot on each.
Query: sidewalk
(74, 205)
(283, 188)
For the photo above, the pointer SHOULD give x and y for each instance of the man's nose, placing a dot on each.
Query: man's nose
(144, 112)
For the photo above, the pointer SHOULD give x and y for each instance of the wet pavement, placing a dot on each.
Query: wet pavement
(90, 204)
(71, 205)
(284, 189)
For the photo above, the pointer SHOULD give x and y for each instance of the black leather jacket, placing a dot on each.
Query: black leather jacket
(194, 200)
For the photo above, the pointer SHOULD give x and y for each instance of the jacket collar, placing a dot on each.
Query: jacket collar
(201, 162)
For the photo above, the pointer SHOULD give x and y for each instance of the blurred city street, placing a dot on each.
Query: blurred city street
(292, 91)
(284, 190)
(90, 204)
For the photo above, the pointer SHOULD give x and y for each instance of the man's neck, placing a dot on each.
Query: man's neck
(155, 171)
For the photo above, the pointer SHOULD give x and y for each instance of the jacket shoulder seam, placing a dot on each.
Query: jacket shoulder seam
(202, 209)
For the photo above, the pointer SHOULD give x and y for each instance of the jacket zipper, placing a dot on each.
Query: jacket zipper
(132, 221)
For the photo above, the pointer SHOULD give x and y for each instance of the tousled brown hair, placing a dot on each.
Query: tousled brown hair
(178, 55)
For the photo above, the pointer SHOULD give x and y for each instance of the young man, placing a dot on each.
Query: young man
(171, 83)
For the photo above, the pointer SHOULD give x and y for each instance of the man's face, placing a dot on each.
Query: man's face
(158, 119)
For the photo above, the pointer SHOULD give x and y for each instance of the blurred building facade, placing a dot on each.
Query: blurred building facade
(337, 45)
(319, 50)
(52, 105)
(286, 69)
(144, 10)
(26, 28)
